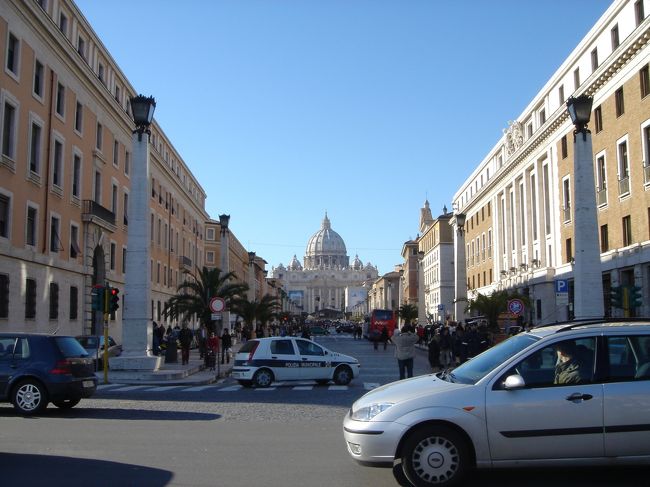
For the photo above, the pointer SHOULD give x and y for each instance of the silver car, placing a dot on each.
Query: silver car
(570, 394)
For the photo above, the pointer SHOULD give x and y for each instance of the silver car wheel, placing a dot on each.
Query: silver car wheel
(29, 397)
(263, 378)
(435, 459)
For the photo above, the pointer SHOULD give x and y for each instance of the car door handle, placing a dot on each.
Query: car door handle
(576, 396)
(274, 358)
(304, 359)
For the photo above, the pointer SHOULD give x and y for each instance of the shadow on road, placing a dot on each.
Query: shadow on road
(52, 471)
(117, 413)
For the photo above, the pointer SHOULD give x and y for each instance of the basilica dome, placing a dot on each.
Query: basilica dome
(326, 248)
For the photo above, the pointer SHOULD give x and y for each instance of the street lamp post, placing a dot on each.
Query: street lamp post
(251, 285)
(224, 221)
(460, 271)
(588, 282)
(422, 312)
(136, 330)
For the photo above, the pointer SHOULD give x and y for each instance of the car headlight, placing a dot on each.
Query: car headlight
(369, 412)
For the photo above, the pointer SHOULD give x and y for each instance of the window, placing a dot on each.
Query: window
(35, 148)
(542, 116)
(57, 165)
(4, 296)
(97, 190)
(639, 14)
(76, 176)
(566, 194)
(568, 250)
(646, 145)
(210, 257)
(9, 130)
(127, 162)
(81, 47)
(614, 37)
(5, 207)
(74, 241)
(112, 260)
(54, 300)
(620, 102)
(39, 78)
(116, 153)
(30, 298)
(627, 231)
(114, 191)
(560, 93)
(74, 302)
(99, 136)
(125, 209)
(564, 147)
(60, 99)
(604, 239)
(644, 79)
(210, 234)
(576, 78)
(117, 93)
(100, 73)
(623, 166)
(598, 118)
(601, 176)
(529, 130)
(594, 59)
(55, 225)
(629, 358)
(13, 54)
(79, 117)
(123, 260)
(30, 229)
(63, 23)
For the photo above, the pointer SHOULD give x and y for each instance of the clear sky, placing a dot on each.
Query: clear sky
(286, 109)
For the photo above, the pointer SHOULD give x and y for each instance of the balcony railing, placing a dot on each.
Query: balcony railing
(185, 261)
(624, 186)
(646, 173)
(93, 211)
(601, 196)
(566, 213)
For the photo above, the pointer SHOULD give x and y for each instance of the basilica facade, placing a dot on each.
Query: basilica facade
(326, 284)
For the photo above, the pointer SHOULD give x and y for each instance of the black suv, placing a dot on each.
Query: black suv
(38, 369)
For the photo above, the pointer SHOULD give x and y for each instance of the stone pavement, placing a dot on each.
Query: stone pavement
(172, 374)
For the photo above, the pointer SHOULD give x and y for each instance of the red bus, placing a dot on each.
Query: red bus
(380, 318)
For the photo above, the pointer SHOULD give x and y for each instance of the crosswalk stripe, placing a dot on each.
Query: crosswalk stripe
(265, 389)
(370, 385)
(161, 388)
(230, 389)
(199, 388)
(338, 388)
(303, 388)
(130, 388)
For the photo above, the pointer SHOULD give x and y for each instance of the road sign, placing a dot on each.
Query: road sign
(516, 306)
(441, 307)
(561, 292)
(215, 316)
(217, 305)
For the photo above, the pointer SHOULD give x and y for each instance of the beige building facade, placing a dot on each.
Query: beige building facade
(519, 229)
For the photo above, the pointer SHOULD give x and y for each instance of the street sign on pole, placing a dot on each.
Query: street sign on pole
(516, 306)
(215, 316)
(561, 292)
(217, 305)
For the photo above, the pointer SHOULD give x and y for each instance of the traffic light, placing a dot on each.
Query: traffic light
(114, 302)
(636, 299)
(616, 297)
(97, 295)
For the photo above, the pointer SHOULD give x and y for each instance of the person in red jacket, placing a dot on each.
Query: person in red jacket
(212, 351)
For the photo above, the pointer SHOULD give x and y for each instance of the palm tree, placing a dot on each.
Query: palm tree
(408, 312)
(194, 294)
(253, 311)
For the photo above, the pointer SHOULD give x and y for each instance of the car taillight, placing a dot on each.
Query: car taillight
(252, 352)
(62, 367)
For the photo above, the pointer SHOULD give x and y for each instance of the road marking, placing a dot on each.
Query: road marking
(265, 388)
(102, 387)
(370, 385)
(338, 388)
(231, 388)
(130, 388)
(161, 388)
(198, 388)
(303, 388)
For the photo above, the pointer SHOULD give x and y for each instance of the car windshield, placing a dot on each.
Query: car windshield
(475, 369)
(70, 347)
(88, 341)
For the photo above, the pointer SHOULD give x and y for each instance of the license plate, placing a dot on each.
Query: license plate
(88, 383)
(236, 374)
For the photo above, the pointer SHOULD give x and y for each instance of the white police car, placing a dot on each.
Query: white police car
(261, 361)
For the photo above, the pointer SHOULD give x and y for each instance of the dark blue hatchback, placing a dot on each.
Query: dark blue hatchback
(38, 369)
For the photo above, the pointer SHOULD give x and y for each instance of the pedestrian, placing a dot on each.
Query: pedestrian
(375, 336)
(384, 336)
(203, 340)
(434, 353)
(226, 345)
(185, 337)
(212, 350)
(459, 345)
(305, 333)
(405, 351)
(155, 339)
(445, 344)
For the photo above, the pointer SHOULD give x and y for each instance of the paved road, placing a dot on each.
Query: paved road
(224, 435)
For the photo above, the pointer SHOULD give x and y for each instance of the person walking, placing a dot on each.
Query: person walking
(212, 350)
(185, 337)
(445, 347)
(434, 353)
(226, 344)
(203, 340)
(384, 336)
(405, 351)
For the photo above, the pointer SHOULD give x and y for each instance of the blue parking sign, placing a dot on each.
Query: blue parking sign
(561, 286)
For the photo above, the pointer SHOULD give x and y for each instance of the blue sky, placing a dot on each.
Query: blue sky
(286, 109)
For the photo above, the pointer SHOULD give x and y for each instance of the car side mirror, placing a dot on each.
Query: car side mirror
(514, 382)
(326, 352)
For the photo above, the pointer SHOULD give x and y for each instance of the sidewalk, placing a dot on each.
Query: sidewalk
(173, 374)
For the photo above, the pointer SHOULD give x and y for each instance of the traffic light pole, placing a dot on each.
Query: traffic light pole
(107, 296)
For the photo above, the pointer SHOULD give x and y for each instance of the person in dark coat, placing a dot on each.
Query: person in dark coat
(185, 337)
(384, 336)
(434, 354)
(226, 345)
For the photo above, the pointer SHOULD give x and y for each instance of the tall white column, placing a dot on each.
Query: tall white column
(225, 268)
(460, 270)
(422, 312)
(588, 281)
(136, 322)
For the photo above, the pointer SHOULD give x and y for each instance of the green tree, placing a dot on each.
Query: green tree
(408, 312)
(194, 293)
(491, 306)
(252, 312)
